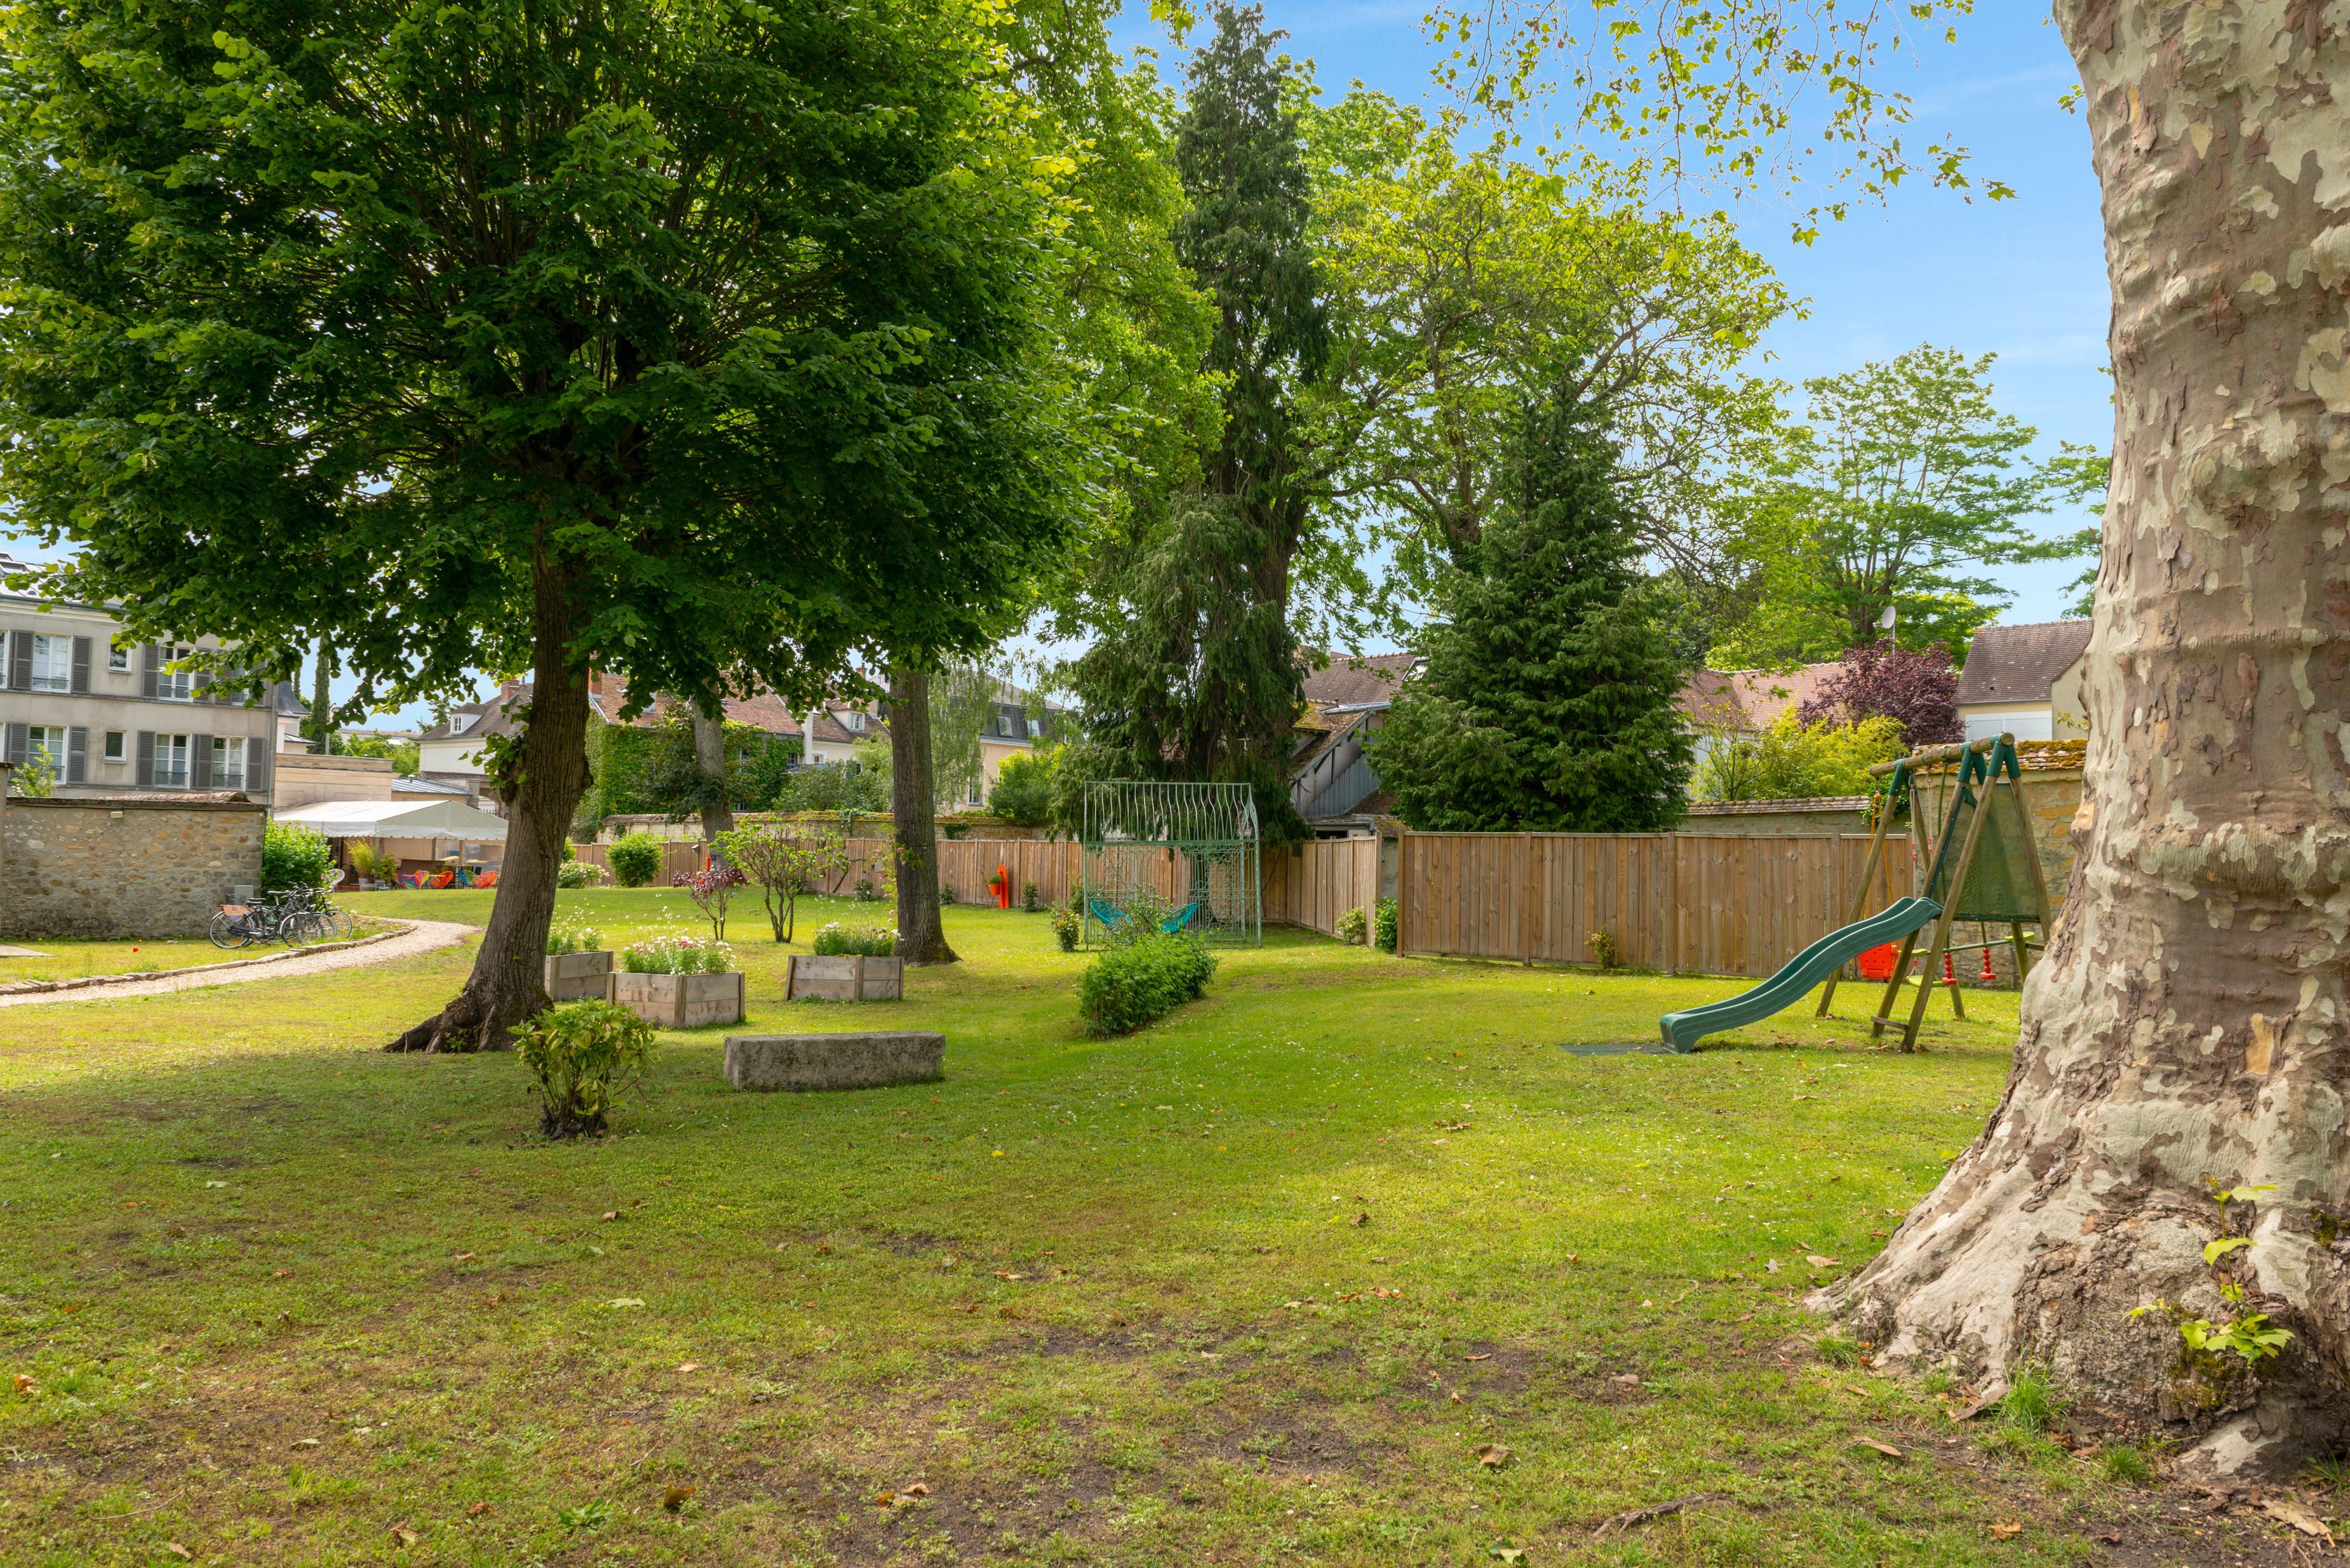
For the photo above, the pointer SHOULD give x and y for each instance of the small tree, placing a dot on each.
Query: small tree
(1024, 789)
(712, 890)
(293, 856)
(783, 865)
(584, 1057)
(1546, 702)
(1915, 688)
(1797, 761)
(636, 859)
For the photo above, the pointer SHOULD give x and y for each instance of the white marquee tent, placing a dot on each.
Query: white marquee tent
(438, 819)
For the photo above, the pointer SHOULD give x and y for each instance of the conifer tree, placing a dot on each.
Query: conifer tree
(1545, 702)
(1196, 672)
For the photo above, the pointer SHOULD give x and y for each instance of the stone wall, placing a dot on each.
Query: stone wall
(123, 866)
(1778, 818)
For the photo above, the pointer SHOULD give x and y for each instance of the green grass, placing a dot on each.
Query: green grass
(71, 957)
(1255, 1284)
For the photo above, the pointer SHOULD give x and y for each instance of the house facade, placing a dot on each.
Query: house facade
(1331, 780)
(106, 715)
(2025, 680)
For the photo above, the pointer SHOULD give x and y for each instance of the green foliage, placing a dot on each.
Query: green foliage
(1795, 761)
(866, 941)
(403, 755)
(1836, 1350)
(1144, 974)
(634, 858)
(838, 786)
(1352, 924)
(1384, 933)
(677, 955)
(1903, 481)
(1606, 950)
(573, 936)
(783, 862)
(1024, 787)
(36, 778)
(293, 856)
(2128, 1465)
(1543, 702)
(584, 1056)
(578, 874)
(1066, 928)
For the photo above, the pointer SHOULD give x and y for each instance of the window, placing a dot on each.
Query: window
(53, 665)
(118, 658)
(47, 743)
(172, 686)
(171, 762)
(114, 745)
(853, 722)
(228, 763)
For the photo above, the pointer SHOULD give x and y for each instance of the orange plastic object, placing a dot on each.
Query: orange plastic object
(1877, 963)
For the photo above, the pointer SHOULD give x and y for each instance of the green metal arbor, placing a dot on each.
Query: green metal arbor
(1184, 854)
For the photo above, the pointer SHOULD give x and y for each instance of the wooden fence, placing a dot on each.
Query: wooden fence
(1312, 885)
(1675, 901)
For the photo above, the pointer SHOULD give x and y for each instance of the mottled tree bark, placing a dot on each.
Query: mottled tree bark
(710, 757)
(913, 808)
(2188, 1026)
(541, 786)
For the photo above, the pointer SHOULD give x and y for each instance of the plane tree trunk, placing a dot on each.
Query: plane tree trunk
(2188, 1026)
(913, 810)
(710, 759)
(545, 776)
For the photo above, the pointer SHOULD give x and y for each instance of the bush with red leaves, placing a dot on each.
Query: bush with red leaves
(1917, 688)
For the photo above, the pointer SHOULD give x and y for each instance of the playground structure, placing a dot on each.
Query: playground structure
(1188, 851)
(1982, 866)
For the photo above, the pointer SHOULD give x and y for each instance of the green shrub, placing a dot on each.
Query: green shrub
(1142, 977)
(1383, 925)
(293, 856)
(856, 941)
(636, 859)
(1351, 925)
(578, 874)
(584, 1057)
(1028, 900)
(1024, 789)
(1067, 927)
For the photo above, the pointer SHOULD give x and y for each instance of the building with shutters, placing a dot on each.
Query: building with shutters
(110, 716)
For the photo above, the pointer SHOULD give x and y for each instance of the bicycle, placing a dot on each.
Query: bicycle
(288, 918)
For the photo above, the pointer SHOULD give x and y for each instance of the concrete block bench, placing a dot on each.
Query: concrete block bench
(834, 1061)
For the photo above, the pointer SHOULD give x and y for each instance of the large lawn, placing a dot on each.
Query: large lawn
(1256, 1285)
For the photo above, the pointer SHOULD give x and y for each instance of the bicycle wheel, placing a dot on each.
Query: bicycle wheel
(304, 927)
(227, 930)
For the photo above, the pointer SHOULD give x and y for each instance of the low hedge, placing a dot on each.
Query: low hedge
(1138, 981)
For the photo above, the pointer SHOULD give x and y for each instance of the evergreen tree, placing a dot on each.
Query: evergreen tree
(1196, 672)
(1546, 702)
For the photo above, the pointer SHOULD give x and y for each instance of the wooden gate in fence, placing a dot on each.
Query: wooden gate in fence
(1674, 901)
(1312, 885)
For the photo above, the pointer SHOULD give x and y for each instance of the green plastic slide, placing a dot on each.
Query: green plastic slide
(1797, 977)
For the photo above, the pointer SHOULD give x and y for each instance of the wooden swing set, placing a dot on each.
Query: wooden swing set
(1982, 866)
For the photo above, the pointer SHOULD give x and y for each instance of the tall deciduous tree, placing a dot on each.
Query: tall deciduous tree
(1902, 481)
(1197, 673)
(698, 343)
(2185, 1028)
(1543, 702)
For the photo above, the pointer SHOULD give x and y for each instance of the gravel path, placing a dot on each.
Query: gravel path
(421, 937)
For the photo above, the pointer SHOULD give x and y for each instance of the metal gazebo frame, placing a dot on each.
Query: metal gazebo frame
(1192, 846)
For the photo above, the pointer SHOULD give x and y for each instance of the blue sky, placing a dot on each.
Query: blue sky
(2023, 279)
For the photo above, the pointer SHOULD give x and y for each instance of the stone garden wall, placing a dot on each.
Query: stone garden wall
(125, 866)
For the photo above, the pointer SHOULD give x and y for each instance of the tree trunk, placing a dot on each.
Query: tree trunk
(913, 807)
(710, 757)
(549, 770)
(2188, 1024)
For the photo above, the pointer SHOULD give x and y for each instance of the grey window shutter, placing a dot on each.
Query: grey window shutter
(147, 759)
(147, 673)
(78, 754)
(200, 685)
(256, 767)
(200, 762)
(15, 741)
(81, 664)
(20, 660)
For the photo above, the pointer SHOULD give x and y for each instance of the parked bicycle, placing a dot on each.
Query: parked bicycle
(292, 918)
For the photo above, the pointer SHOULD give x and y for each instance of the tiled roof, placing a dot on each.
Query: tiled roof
(1750, 699)
(1358, 677)
(2020, 663)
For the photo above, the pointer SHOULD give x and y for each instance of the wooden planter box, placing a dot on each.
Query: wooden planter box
(570, 977)
(829, 977)
(678, 1001)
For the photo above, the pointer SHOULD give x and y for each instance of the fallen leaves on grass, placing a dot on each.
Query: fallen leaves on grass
(1487, 1355)
(1510, 1554)
(1770, 1265)
(402, 1536)
(1821, 1260)
(674, 1498)
(2007, 1530)
(919, 1489)
(625, 1302)
(24, 1384)
(476, 1509)
(1632, 1518)
(176, 1549)
(1361, 1220)
(1627, 1379)
(1492, 1456)
(689, 1366)
(1888, 1449)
